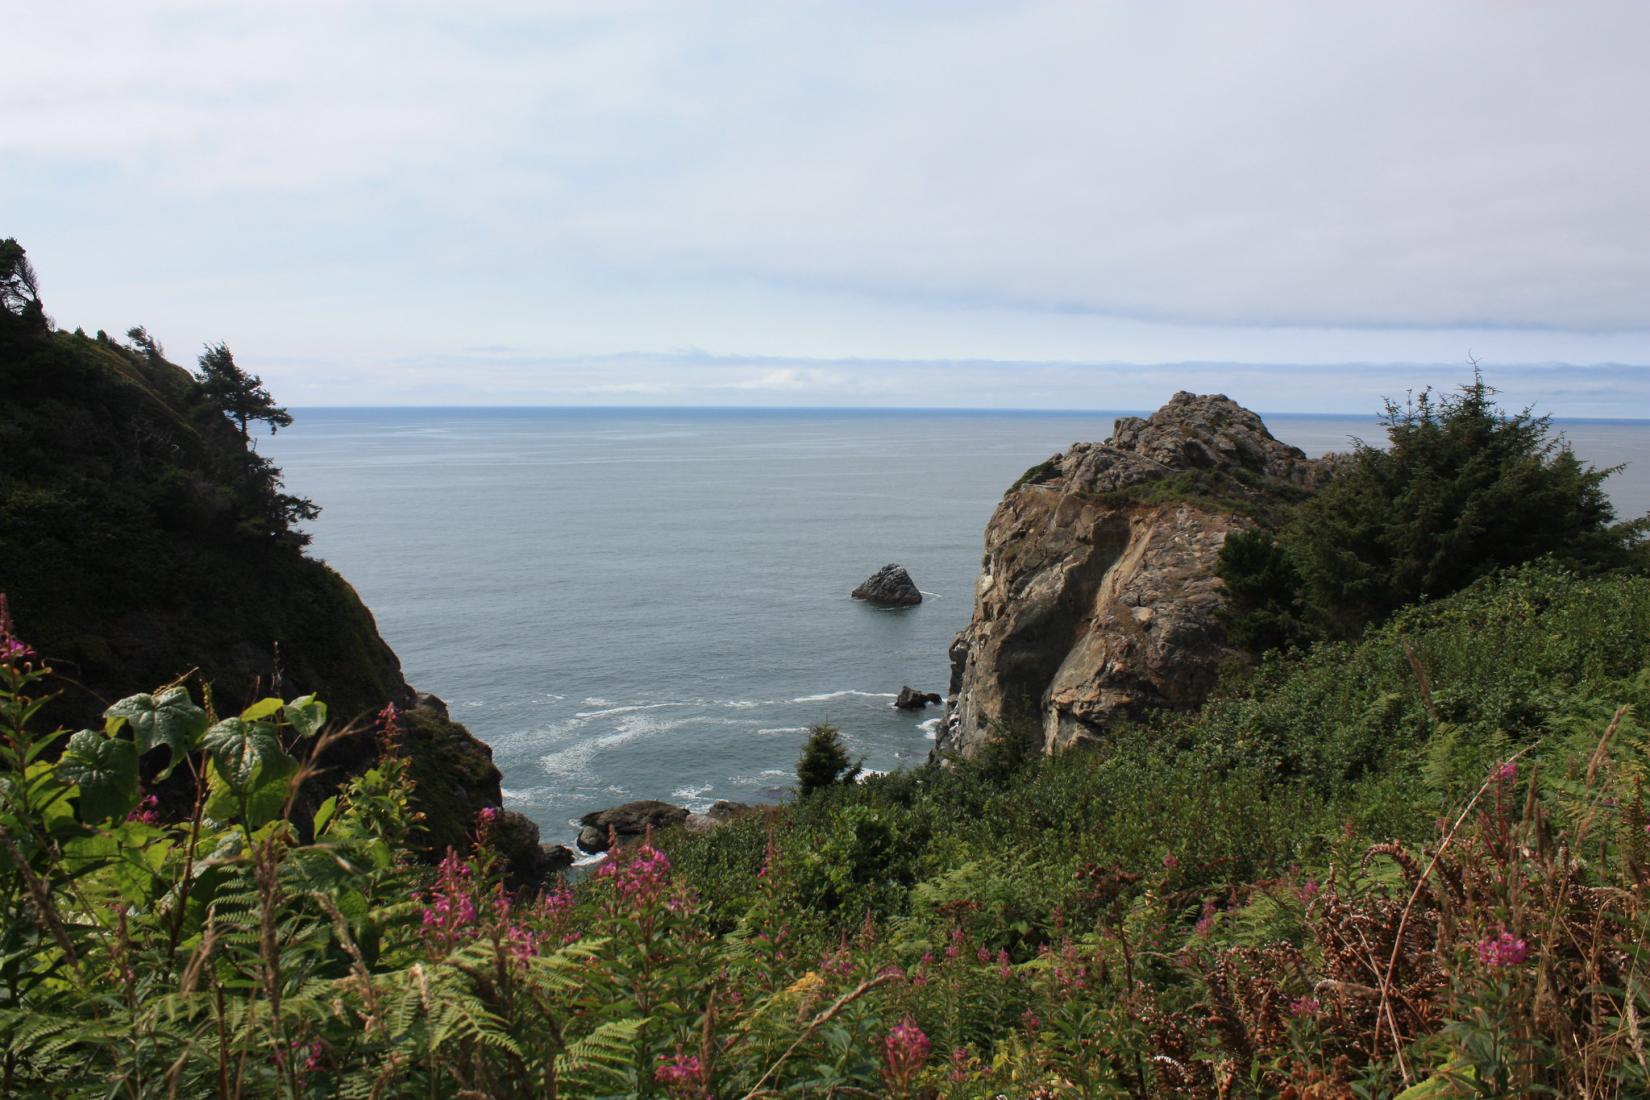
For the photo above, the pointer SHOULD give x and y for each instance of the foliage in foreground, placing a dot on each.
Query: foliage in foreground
(1415, 864)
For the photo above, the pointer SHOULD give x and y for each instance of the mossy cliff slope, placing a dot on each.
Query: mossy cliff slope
(1098, 595)
(142, 537)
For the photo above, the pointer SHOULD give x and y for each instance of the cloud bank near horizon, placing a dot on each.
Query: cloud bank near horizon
(503, 377)
(344, 192)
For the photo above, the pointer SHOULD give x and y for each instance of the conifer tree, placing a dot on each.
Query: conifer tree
(240, 395)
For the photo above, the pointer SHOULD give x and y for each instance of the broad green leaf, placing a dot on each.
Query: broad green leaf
(324, 815)
(257, 801)
(307, 715)
(238, 747)
(48, 793)
(106, 771)
(263, 708)
(266, 797)
(168, 719)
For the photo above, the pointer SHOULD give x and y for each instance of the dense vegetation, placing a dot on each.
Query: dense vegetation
(143, 537)
(1419, 862)
(141, 533)
(1462, 488)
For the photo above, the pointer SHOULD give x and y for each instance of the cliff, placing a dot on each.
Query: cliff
(1098, 596)
(142, 537)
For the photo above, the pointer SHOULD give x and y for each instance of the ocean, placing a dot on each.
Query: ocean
(653, 603)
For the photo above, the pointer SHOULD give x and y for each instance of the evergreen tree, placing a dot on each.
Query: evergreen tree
(240, 395)
(824, 761)
(1462, 489)
(20, 307)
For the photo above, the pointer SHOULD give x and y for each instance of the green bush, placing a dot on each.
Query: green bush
(1461, 490)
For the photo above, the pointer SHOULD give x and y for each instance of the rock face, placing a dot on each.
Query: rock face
(911, 699)
(1098, 595)
(627, 822)
(889, 585)
(108, 446)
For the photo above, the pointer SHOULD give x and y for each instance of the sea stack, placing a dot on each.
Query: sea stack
(889, 585)
(1099, 599)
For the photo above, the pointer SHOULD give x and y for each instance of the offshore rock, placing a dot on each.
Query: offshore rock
(719, 815)
(1098, 596)
(627, 822)
(890, 585)
(911, 699)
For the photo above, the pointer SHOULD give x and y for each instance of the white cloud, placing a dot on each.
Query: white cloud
(1285, 181)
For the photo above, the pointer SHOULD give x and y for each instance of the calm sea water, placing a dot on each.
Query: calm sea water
(654, 603)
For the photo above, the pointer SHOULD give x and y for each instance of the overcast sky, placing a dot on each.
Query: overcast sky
(954, 203)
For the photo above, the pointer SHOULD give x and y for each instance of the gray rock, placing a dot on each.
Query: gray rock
(723, 810)
(431, 702)
(911, 699)
(1098, 599)
(627, 822)
(890, 585)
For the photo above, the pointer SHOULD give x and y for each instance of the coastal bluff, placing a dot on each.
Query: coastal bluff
(1098, 596)
(143, 540)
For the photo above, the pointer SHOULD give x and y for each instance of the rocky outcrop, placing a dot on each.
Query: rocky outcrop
(718, 815)
(890, 585)
(626, 823)
(1098, 595)
(911, 699)
(141, 538)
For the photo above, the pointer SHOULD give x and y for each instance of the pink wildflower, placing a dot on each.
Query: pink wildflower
(681, 1075)
(389, 730)
(1507, 772)
(1304, 1006)
(1205, 920)
(147, 812)
(1309, 889)
(1029, 1020)
(449, 909)
(1005, 969)
(12, 649)
(1170, 862)
(838, 963)
(1502, 950)
(905, 1050)
(639, 876)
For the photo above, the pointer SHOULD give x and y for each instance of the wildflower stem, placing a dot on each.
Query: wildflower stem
(1403, 920)
(814, 1025)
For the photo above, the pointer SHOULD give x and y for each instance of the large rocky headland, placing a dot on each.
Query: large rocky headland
(1097, 596)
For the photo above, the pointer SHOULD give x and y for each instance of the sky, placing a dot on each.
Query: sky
(954, 203)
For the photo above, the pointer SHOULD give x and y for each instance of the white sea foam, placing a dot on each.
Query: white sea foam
(594, 701)
(827, 696)
(630, 709)
(573, 762)
(590, 860)
(930, 729)
(770, 731)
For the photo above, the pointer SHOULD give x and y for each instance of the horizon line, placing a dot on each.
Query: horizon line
(983, 409)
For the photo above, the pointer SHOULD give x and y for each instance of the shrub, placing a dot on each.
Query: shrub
(824, 761)
(1461, 490)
